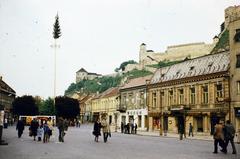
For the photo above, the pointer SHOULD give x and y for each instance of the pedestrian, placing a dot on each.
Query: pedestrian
(105, 129)
(135, 128)
(40, 132)
(229, 136)
(122, 127)
(132, 128)
(20, 128)
(97, 129)
(50, 125)
(33, 128)
(190, 130)
(60, 125)
(46, 130)
(5, 123)
(128, 128)
(218, 136)
(181, 131)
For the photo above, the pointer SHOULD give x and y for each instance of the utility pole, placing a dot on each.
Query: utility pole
(56, 35)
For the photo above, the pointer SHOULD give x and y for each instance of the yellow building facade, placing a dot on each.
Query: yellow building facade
(194, 91)
(106, 103)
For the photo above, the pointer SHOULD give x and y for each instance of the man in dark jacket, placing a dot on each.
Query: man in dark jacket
(60, 125)
(229, 133)
(20, 128)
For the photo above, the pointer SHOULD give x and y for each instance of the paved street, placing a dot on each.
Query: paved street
(79, 144)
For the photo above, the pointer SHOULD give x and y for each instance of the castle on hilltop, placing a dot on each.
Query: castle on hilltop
(83, 74)
(185, 51)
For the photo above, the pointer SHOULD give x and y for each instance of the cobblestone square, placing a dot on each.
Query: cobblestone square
(79, 144)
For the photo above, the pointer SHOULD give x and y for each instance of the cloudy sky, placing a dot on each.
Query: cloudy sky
(97, 35)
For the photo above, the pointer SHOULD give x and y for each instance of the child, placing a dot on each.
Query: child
(40, 132)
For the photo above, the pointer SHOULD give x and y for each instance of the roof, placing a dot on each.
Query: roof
(6, 88)
(136, 82)
(111, 92)
(82, 70)
(204, 65)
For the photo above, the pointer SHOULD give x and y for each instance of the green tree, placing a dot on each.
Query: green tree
(56, 28)
(47, 107)
(124, 64)
(25, 105)
(67, 107)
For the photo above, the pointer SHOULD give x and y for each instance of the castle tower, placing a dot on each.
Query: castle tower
(141, 54)
(233, 19)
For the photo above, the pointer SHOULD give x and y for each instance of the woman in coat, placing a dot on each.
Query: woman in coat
(20, 128)
(96, 130)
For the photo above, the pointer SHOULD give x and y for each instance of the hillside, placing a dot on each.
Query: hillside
(103, 83)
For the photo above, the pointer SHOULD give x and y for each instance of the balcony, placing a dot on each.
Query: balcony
(121, 108)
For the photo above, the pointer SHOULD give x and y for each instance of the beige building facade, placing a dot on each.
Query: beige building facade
(232, 15)
(133, 106)
(194, 91)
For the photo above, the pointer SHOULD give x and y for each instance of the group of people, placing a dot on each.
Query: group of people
(129, 128)
(223, 134)
(43, 129)
(105, 129)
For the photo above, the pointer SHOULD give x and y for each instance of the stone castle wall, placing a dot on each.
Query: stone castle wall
(173, 53)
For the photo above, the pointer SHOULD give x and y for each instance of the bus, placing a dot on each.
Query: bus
(28, 119)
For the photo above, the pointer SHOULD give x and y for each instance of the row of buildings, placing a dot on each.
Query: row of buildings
(200, 91)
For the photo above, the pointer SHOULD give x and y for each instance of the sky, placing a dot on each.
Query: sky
(97, 35)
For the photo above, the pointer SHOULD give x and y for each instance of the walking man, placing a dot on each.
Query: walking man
(20, 127)
(190, 130)
(218, 136)
(229, 136)
(105, 129)
(61, 129)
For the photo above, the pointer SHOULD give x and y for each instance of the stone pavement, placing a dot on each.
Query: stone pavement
(172, 135)
(79, 144)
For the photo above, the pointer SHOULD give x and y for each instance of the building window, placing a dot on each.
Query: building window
(237, 35)
(181, 96)
(142, 98)
(154, 100)
(162, 99)
(170, 98)
(205, 94)
(130, 98)
(238, 87)
(192, 95)
(238, 61)
(219, 88)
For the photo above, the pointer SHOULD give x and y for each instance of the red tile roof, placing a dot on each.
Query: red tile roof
(136, 82)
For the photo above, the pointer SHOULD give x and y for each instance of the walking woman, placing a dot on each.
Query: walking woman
(97, 129)
(20, 127)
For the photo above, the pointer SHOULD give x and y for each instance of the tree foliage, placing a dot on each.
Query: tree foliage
(46, 107)
(124, 64)
(25, 105)
(56, 28)
(95, 85)
(67, 107)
